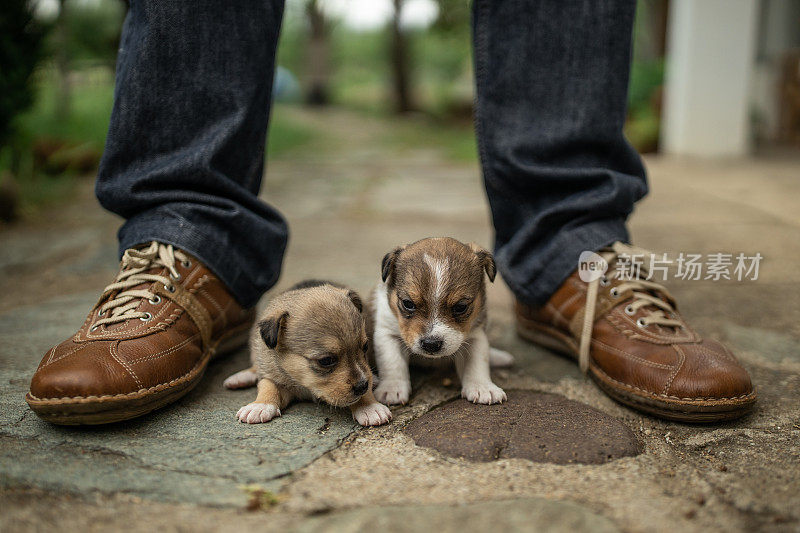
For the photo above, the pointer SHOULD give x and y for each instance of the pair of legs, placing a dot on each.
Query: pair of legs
(184, 160)
(185, 151)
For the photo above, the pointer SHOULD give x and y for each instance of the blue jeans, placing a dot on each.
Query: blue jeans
(184, 155)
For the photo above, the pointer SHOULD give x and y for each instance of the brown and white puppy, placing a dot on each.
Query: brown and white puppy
(310, 344)
(432, 306)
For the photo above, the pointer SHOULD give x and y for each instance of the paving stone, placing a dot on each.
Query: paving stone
(530, 514)
(771, 345)
(193, 451)
(541, 427)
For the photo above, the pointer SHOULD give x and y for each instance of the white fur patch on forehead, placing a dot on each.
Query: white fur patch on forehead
(440, 271)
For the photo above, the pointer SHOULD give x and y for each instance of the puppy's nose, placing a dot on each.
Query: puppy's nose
(361, 387)
(432, 345)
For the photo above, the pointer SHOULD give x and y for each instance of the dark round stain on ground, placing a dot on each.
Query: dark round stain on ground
(541, 427)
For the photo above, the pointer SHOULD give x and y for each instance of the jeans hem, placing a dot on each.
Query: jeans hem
(142, 229)
(536, 288)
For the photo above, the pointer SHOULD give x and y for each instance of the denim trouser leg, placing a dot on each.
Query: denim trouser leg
(185, 149)
(552, 79)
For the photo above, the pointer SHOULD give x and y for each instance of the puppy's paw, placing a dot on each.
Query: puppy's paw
(373, 414)
(256, 413)
(393, 391)
(485, 393)
(500, 358)
(241, 380)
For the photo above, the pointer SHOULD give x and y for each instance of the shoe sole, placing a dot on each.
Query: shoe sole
(680, 410)
(94, 410)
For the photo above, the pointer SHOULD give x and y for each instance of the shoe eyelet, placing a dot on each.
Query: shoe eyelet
(93, 328)
(169, 288)
(101, 313)
(156, 300)
(146, 318)
(641, 323)
(187, 263)
(629, 310)
(614, 292)
(176, 278)
(604, 281)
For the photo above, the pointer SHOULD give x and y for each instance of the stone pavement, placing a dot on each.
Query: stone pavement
(192, 466)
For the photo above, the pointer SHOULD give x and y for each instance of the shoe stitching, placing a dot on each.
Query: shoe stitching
(677, 368)
(220, 310)
(730, 355)
(713, 355)
(62, 356)
(113, 351)
(50, 355)
(155, 388)
(171, 319)
(168, 351)
(630, 355)
(557, 315)
(567, 302)
(202, 280)
(596, 369)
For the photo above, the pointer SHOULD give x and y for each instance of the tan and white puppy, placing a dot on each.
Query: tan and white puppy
(310, 344)
(432, 306)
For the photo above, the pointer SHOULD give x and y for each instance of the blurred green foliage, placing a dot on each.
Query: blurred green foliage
(93, 31)
(20, 51)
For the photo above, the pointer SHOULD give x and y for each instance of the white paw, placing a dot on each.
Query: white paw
(256, 413)
(241, 380)
(485, 393)
(393, 391)
(500, 358)
(373, 414)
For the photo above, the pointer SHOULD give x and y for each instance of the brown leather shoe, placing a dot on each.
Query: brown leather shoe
(145, 344)
(638, 349)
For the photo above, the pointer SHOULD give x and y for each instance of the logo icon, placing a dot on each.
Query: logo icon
(591, 266)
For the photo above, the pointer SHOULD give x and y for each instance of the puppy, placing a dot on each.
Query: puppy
(432, 306)
(310, 344)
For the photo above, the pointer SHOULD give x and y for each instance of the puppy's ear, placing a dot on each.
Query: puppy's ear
(272, 328)
(486, 260)
(356, 299)
(387, 265)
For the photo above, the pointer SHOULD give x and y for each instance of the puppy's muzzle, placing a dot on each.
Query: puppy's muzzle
(360, 388)
(431, 345)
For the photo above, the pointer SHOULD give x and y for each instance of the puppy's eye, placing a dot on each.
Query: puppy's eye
(460, 308)
(408, 305)
(328, 361)
(365, 347)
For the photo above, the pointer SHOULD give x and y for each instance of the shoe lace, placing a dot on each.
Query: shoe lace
(646, 294)
(135, 271)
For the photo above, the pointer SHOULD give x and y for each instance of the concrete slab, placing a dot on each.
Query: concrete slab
(534, 514)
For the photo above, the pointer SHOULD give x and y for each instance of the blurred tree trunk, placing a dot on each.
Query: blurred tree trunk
(318, 56)
(62, 61)
(401, 79)
(659, 26)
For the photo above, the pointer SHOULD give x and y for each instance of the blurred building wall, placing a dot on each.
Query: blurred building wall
(710, 52)
(778, 43)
